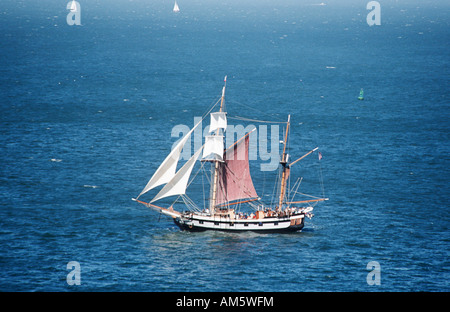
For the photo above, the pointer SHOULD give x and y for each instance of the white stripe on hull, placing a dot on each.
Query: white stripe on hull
(199, 223)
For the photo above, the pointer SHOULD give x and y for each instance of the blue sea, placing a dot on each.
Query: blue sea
(87, 113)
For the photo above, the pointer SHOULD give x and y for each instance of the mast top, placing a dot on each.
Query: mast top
(216, 165)
(223, 93)
(283, 159)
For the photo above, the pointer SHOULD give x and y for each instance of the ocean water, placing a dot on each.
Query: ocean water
(87, 114)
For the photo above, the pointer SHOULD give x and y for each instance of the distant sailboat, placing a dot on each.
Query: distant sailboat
(176, 8)
(73, 7)
(361, 95)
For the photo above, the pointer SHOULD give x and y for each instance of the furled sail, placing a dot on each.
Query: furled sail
(178, 184)
(235, 181)
(213, 148)
(218, 121)
(166, 170)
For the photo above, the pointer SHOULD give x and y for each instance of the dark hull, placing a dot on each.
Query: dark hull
(193, 228)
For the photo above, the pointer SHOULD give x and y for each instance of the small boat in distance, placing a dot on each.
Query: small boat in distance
(230, 185)
(361, 95)
(73, 7)
(176, 8)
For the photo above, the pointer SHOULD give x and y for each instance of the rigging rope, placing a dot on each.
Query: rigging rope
(321, 180)
(257, 110)
(256, 120)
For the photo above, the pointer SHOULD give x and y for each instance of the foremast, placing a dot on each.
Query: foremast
(212, 204)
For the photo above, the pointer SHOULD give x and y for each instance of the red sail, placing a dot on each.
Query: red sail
(235, 181)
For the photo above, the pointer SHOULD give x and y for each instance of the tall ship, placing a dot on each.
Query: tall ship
(232, 203)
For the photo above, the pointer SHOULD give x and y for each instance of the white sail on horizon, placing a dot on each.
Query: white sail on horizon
(178, 184)
(166, 170)
(73, 7)
(176, 8)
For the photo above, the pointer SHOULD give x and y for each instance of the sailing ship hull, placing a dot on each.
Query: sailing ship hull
(269, 225)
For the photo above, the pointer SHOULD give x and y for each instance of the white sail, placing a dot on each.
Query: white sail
(73, 7)
(176, 8)
(178, 184)
(166, 170)
(218, 121)
(213, 147)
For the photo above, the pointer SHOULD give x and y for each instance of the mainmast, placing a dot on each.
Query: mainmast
(285, 167)
(216, 162)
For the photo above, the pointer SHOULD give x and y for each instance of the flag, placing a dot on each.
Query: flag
(320, 155)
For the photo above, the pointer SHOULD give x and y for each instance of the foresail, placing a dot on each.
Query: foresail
(178, 184)
(166, 170)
